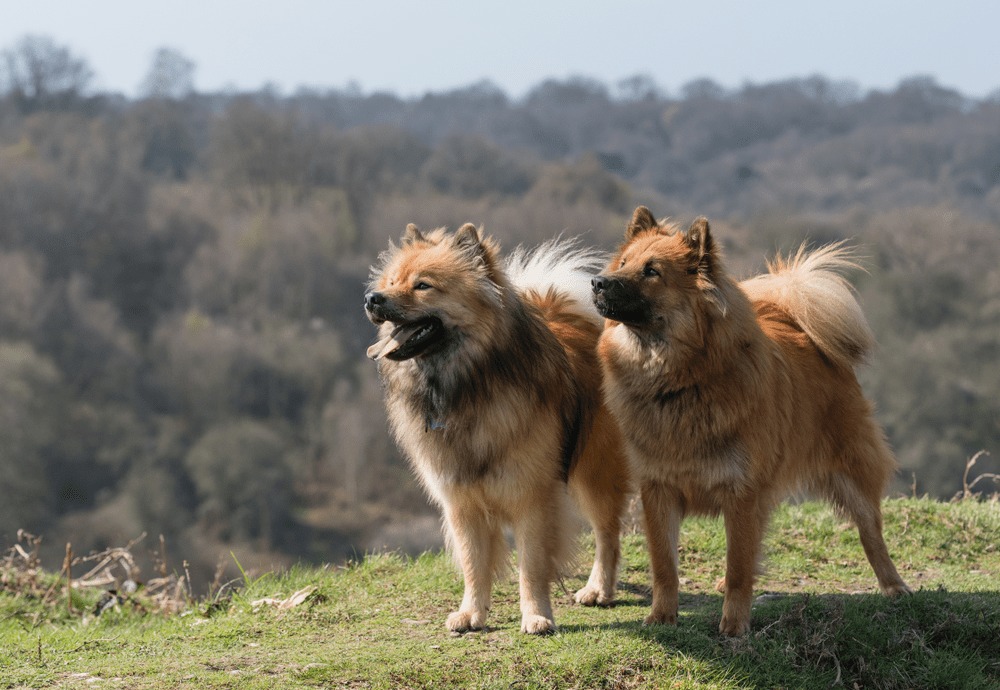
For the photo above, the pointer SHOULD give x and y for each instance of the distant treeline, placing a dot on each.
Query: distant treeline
(181, 333)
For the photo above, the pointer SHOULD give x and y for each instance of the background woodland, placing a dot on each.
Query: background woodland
(181, 331)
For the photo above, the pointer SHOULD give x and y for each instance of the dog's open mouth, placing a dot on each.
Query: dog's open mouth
(408, 340)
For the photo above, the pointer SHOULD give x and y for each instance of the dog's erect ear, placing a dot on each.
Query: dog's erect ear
(467, 238)
(705, 261)
(699, 240)
(412, 234)
(481, 251)
(642, 220)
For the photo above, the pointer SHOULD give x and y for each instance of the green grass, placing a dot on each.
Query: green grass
(380, 623)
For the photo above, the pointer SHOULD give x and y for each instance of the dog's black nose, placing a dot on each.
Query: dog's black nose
(598, 283)
(374, 299)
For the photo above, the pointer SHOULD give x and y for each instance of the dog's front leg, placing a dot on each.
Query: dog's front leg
(662, 512)
(477, 543)
(746, 522)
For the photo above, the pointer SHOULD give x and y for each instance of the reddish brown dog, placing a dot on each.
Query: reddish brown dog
(731, 396)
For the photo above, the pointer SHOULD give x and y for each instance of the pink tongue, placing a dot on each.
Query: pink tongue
(392, 342)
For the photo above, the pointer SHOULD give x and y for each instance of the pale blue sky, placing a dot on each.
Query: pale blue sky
(433, 45)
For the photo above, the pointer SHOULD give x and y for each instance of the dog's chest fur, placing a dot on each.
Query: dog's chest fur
(460, 436)
(685, 441)
(482, 414)
(680, 431)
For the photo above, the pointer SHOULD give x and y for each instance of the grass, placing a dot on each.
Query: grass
(379, 623)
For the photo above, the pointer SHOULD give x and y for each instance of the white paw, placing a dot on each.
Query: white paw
(592, 596)
(537, 625)
(463, 621)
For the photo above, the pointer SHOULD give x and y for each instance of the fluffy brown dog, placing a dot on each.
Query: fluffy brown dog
(492, 388)
(731, 396)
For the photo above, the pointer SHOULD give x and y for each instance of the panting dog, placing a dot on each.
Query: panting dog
(493, 391)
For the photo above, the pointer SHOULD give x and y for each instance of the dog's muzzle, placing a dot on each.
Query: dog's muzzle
(378, 307)
(619, 300)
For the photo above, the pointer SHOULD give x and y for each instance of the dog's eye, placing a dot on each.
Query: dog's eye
(622, 263)
(422, 286)
(649, 271)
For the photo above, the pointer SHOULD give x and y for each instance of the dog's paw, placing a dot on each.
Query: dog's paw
(464, 621)
(720, 585)
(592, 596)
(537, 625)
(734, 626)
(893, 591)
(661, 618)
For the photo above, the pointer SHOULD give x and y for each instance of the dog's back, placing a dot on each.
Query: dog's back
(806, 307)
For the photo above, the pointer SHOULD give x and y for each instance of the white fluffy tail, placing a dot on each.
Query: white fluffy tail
(560, 265)
(809, 285)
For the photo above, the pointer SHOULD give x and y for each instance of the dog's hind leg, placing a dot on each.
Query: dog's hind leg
(863, 507)
(600, 587)
(746, 522)
(600, 486)
(478, 544)
(541, 544)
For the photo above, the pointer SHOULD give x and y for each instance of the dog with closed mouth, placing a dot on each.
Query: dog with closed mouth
(493, 391)
(732, 395)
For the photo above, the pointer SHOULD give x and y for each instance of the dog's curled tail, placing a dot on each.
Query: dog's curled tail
(559, 265)
(811, 287)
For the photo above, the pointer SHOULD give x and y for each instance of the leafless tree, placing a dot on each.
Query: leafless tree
(38, 72)
(170, 76)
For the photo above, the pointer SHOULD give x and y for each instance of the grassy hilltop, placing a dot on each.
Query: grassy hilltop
(379, 623)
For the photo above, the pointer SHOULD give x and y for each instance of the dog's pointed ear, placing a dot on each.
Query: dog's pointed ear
(481, 251)
(412, 234)
(705, 261)
(467, 238)
(702, 245)
(642, 220)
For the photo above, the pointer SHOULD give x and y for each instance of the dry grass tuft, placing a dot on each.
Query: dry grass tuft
(113, 570)
(968, 486)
